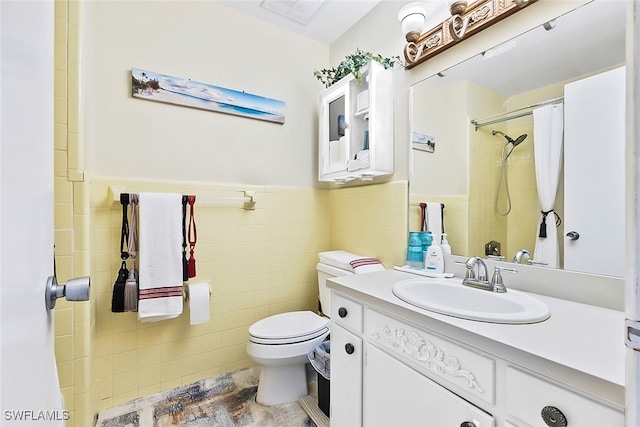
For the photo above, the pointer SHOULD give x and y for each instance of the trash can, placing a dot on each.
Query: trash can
(320, 359)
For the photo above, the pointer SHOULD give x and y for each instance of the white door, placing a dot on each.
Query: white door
(29, 393)
(632, 282)
(594, 186)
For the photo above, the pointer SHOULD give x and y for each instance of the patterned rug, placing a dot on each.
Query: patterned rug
(224, 401)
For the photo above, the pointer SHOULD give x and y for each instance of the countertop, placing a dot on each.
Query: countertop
(584, 338)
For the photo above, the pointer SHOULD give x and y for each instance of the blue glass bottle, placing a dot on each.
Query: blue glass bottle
(427, 240)
(415, 257)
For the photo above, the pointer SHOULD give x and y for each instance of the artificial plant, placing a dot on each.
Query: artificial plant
(352, 64)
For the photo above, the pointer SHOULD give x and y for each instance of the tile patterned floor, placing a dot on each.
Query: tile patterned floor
(224, 401)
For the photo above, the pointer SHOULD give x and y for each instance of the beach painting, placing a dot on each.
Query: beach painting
(180, 91)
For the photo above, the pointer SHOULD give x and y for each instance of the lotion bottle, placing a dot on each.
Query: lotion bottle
(434, 260)
(446, 249)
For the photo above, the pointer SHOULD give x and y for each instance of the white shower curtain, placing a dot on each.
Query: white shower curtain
(548, 126)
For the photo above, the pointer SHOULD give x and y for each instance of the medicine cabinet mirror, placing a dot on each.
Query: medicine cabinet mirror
(464, 169)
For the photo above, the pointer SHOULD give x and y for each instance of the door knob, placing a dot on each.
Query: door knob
(573, 235)
(342, 312)
(74, 290)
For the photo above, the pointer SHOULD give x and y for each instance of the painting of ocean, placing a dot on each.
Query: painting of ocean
(180, 91)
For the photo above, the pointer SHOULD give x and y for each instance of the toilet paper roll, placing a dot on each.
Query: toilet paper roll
(199, 295)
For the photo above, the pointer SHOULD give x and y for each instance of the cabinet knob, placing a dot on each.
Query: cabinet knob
(553, 417)
(468, 424)
(349, 348)
(342, 312)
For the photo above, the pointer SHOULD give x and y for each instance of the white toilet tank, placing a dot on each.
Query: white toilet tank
(333, 264)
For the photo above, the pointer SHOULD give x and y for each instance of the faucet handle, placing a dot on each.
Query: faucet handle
(496, 281)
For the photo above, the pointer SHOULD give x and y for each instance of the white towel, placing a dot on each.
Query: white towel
(434, 222)
(343, 260)
(366, 265)
(160, 255)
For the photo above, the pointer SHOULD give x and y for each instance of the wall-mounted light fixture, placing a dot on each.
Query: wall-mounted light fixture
(413, 18)
(465, 21)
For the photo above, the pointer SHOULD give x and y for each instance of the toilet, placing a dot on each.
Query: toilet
(280, 343)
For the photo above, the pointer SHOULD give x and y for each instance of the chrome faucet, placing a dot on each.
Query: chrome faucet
(481, 282)
(470, 277)
(522, 253)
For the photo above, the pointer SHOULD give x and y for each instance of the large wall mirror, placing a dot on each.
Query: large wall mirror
(481, 166)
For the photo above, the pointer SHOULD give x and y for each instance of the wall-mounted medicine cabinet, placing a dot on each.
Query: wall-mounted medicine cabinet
(356, 127)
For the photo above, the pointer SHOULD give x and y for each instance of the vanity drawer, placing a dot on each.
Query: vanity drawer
(527, 395)
(434, 356)
(346, 312)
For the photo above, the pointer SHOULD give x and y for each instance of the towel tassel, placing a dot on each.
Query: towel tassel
(193, 237)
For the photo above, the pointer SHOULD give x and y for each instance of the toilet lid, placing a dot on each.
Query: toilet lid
(284, 326)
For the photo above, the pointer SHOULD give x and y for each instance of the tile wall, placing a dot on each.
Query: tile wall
(259, 262)
(73, 322)
(371, 220)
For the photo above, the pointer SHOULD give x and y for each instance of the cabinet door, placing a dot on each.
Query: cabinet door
(334, 130)
(396, 395)
(346, 378)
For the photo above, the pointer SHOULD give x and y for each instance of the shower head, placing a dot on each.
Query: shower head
(518, 139)
(510, 140)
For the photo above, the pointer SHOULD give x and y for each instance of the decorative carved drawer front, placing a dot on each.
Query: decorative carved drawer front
(346, 312)
(528, 397)
(434, 356)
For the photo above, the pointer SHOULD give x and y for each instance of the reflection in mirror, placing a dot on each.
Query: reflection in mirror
(476, 114)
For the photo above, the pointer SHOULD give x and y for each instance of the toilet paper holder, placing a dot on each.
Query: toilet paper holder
(76, 289)
(185, 292)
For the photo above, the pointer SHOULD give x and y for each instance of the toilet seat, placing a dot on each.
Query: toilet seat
(288, 328)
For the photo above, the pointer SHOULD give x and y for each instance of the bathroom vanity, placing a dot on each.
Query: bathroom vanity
(394, 364)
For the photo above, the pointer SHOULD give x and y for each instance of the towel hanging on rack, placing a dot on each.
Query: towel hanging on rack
(435, 221)
(160, 258)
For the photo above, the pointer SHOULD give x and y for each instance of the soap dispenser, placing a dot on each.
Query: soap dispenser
(446, 249)
(434, 261)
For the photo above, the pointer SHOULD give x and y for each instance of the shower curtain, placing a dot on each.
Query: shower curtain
(548, 127)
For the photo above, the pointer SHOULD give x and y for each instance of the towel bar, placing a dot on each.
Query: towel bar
(249, 199)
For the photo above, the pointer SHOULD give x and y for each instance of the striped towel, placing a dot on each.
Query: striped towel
(366, 265)
(160, 255)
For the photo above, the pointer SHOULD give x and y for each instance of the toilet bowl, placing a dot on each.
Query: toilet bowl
(280, 343)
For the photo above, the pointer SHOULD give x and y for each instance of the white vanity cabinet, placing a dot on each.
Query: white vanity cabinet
(356, 127)
(390, 371)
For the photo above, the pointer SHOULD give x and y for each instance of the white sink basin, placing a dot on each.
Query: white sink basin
(451, 297)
